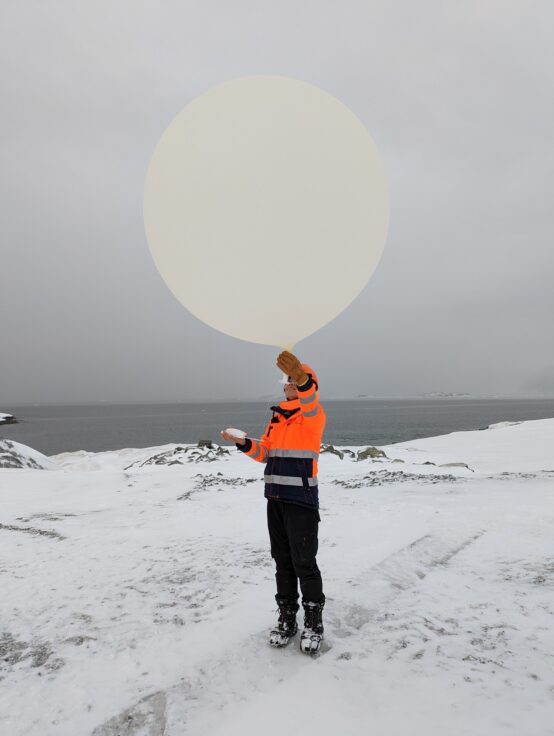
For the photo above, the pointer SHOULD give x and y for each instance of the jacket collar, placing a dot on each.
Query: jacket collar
(293, 404)
(287, 409)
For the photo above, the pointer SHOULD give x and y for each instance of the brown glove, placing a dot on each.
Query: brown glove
(289, 364)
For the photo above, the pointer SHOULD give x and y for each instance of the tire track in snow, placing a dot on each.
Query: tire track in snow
(398, 572)
(235, 676)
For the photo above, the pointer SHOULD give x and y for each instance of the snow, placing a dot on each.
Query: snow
(16, 455)
(509, 446)
(137, 596)
(4, 418)
(236, 432)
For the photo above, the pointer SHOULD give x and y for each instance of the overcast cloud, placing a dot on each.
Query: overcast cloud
(459, 99)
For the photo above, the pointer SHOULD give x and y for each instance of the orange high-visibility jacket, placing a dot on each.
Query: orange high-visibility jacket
(290, 446)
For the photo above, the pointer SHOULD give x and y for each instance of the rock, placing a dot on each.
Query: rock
(15, 455)
(79, 640)
(370, 452)
(502, 425)
(384, 477)
(148, 715)
(207, 452)
(332, 450)
(456, 465)
(7, 418)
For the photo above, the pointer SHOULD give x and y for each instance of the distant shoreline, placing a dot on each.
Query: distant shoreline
(94, 427)
(264, 399)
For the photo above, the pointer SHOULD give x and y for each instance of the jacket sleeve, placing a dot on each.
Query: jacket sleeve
(308, 395)
(257, 449)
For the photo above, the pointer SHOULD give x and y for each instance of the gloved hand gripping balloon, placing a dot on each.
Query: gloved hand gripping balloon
(291, 366)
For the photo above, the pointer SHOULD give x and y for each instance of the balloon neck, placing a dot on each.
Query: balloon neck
(288, 347)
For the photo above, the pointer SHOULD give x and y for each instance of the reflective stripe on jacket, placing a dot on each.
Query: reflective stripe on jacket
(290, 448)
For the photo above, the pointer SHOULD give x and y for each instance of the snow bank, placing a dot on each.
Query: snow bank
(16, 455)
(504, 447)
(134, 458)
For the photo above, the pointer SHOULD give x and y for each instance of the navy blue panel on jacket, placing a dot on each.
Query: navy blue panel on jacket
(291, 479)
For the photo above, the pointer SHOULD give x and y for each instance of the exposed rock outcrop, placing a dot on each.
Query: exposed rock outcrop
(204, 451)
(371, 453)
(15, 455)
(7, 418)
(332, 450)
(339, 453)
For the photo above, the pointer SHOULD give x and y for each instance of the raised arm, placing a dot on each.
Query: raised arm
(308, 396)
(307, 389)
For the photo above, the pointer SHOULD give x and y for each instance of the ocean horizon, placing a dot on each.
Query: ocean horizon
(99, 426)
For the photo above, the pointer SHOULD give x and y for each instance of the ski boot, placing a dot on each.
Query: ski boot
(286, 625)
(312, 636)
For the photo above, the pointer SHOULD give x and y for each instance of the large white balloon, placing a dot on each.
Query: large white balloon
(266, 208)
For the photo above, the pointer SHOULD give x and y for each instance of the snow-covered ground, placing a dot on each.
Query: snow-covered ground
(6, 418)
(137, 592)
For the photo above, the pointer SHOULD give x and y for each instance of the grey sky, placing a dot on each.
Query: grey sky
(459, 99)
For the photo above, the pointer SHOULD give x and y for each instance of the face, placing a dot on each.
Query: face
(290, 391)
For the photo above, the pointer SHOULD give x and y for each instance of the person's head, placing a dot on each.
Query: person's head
(290, 390)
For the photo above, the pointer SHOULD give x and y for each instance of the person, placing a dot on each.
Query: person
(290, 448)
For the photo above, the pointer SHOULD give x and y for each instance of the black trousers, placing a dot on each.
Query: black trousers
(293, 536)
